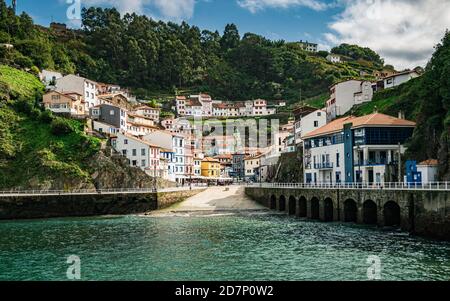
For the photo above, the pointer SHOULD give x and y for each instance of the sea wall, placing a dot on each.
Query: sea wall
(47, 206)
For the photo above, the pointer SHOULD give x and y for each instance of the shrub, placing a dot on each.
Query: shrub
(60, 126)
(24, 106)
(46, 116)
(34, 70)
(23, 61)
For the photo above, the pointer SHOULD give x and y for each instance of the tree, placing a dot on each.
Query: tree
(230, 38)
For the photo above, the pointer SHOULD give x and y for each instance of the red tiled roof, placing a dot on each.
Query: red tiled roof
(375, 119)
(429, 162)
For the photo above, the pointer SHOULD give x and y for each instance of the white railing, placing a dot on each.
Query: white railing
(17, 192)
(373, 186)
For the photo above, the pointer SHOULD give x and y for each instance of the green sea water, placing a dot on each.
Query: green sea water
(211, 247)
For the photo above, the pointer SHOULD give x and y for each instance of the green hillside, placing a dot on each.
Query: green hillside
(37, 148)
(425, 100)
(158, 59)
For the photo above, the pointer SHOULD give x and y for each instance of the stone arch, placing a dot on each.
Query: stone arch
(302, 211)
(370, 213)
(391, 213)
(350, 210)
(282, 203)
(328, 210)
(292, 204)
(315, 208)
(273, 202)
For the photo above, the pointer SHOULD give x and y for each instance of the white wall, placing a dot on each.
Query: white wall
(429, 173)
(312, 122)
(73, 83)
(398, 80)
(323, 175)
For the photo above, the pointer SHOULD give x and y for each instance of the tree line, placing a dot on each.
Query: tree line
(144, 54)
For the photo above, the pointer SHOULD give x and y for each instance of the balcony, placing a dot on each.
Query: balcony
(325, 165)
(375, 162)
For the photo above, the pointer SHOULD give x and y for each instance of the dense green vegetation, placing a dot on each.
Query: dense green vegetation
(363, 55)
(425, 100)
(147, 55)
(37, 148)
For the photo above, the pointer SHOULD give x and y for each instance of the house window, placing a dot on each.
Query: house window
(134, 152)
(338, 159)
(111, 112)
(316, 123)
(125, 141)
(143, 152)
(143, 163)
(124, 152)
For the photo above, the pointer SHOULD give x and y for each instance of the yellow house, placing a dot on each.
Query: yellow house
(210, 168)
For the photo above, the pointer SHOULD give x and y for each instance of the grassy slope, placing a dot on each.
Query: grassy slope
(29, 149)
(391, 101)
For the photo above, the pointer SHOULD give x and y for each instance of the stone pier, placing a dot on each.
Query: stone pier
(422, 212)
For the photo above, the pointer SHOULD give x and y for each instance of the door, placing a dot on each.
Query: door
(371, 176)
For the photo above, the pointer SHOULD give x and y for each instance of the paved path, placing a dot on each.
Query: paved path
(230, 198)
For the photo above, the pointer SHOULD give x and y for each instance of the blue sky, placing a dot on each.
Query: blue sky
(402, 31)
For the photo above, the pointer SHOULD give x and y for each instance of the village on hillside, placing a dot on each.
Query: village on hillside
(336, 147)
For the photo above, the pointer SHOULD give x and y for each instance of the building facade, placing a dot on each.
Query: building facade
(70, 103)
(109, 114)
(356, 149)
(344, 95)
(210, 168)
(80, 85)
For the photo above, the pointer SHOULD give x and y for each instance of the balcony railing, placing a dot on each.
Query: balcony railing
(374, 162)
(325, 165)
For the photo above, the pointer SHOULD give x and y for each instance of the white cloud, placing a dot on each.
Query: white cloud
(256, 5)
(176, 9)
(166, 9)
(402, 31)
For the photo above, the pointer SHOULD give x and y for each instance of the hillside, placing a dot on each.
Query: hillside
(164, 57)
(41, 151)
(425, 100)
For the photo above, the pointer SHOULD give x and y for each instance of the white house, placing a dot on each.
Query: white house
(334, 58)
(180, 104)
(311, 122)
(81, 85)
(356, 149)
(399, 78)
(149, 112)
(175, 143)
(429, 170)
(344, 95)
(48, 77)
(259, 107)
(139, 153)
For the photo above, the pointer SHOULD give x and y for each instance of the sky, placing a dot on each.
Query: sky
(403, 32)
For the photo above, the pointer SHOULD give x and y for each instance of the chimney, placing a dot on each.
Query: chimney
(401, 115)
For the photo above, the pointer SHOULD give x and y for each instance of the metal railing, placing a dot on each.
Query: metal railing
(441, 186)
(18, 192)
